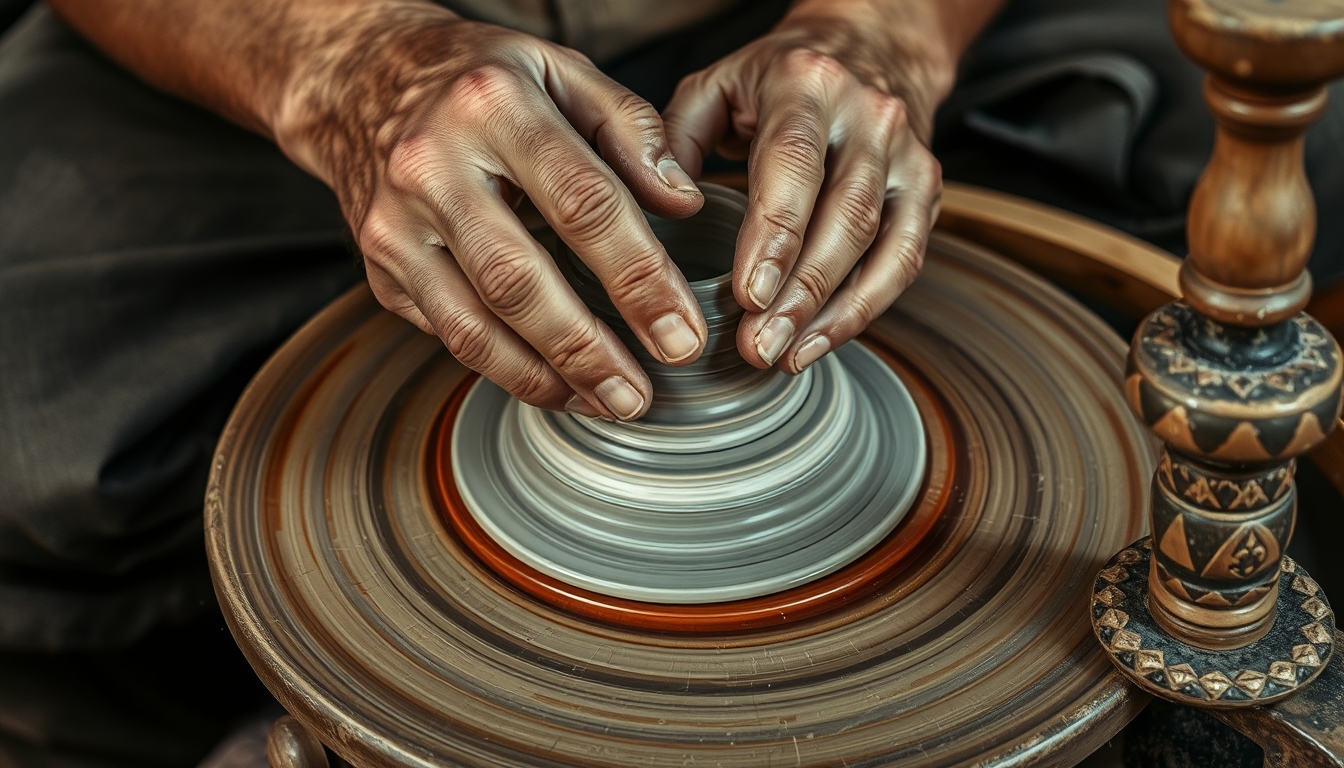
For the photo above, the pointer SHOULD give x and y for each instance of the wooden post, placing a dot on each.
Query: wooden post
(1237, 382)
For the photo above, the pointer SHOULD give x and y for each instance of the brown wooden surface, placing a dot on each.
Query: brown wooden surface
(1283, 44)
(383, 633)
(1252, 217)
(1092, 260)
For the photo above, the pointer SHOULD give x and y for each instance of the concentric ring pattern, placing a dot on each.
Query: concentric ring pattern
(374, 624)
(727, 520)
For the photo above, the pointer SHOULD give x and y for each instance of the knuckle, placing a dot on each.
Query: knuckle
(801, 152)
(787, 223)
(533, 384)
(638, 113)
(689, 83)
(379, 238)
(576, 349)
(909, 249)
(860, 206)
(587, 205)
(508, 282)
(634, 277)
(391, 297)
(814, 66)
(863, 310)
(934, 170)
(410, 163)
(887, 111)
(482, 89)
(814, 281)
(468, 338)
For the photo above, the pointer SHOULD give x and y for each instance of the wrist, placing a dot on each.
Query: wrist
(351, 80)
(906, 48)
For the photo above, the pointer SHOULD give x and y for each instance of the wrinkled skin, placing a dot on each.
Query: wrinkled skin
(431, 129)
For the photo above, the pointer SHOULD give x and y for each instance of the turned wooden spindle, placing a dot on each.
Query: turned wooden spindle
(1236, 380)
(290, 745)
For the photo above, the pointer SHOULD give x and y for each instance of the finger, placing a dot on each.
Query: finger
(696, 119)
(518, 281)
(785, 172)
(390, 294)
(890, 266)
(422, 283)
(595, 215)
(844, 223)
(627, 131)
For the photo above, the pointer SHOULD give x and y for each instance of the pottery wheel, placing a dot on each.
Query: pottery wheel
(935, 618)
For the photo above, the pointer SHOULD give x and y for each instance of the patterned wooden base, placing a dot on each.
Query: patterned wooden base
(1293, 652)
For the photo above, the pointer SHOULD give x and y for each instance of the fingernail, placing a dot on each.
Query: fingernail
(675, 177)
(620, 398)
(582, 407)
(675, 339)
(811, 351)
(764, 284)
(774, 338)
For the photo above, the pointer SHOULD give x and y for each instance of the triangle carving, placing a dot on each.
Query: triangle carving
(1242, 445)
(1174, 428)
(1308, 435)
(1174, 545)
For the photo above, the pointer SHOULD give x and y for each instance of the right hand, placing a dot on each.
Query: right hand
(430, 129)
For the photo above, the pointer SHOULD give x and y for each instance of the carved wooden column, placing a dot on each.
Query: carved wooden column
(1237, 382)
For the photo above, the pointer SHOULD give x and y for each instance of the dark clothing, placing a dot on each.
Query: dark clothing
(1098, 90)
(152, 255)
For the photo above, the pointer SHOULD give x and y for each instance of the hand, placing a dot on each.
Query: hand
(430, 129)
(843, 190)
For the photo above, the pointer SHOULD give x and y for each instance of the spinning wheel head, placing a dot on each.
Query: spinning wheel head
(343, 551)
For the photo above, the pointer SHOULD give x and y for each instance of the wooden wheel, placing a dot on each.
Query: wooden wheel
(962, 639)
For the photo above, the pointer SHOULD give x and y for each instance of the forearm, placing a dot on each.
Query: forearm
(240, 59)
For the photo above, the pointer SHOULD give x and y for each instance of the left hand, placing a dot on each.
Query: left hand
(834, 117)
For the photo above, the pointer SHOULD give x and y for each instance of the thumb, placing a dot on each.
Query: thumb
(696, 119)
(627, 131)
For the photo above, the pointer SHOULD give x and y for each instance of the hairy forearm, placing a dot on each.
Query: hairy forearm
(241, 58)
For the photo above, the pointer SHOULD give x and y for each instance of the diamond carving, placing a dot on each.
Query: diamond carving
(1179, 676)
(1305, 654)
(1315, 608)
(1250, 682)
(1305, 584)
(1148, 662)
(1243, 385)
(1124, 640)
(1115, 619)
(1316, 633)
(1128, 557)
(1284, 673)
(1115, 574)
(1289, 566)
(1215, 683)
(1110, 597)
